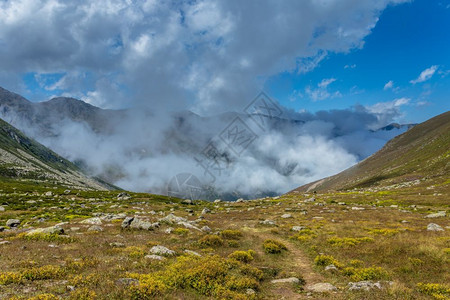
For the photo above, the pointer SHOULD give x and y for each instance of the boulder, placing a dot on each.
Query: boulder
(95, 228)
(286, 280)
(13, 223)
(436, 215)
(298, 228)
(92, 221)
(154, 257)
(434, 227)
(322, 287)
(161, 250)
(46, 230)
(286, 216)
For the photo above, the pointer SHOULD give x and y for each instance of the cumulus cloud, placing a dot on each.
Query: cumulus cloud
(322, 92)
(425, 75)
(201, 55)
(386, 111)
(388, 85)
(210, 57)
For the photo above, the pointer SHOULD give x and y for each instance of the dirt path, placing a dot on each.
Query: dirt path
(300, 261)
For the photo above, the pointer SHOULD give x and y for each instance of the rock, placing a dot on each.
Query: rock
(298, 228)
(191, 252)
(92, 221)
(110, 217)
(436, 215)
(48, 194)
(250, 292)
(13, 223)
(330, 268)
(47, 230)
(342, 203)
(126, 222)
(95, 228)
(127, 281)
(322, 287)
(240, 200)
(117, 245)
(161, 250)
(5, 243)
(123, 196)
(217, 201)
(358, 208)
(169, 230)
(434, 227)
(310, 200)
(189, 225)
(2, 228)
(286, 280)
(267, 222)
(154, 257)
(363, 285)
(286, 216)
(67, 192)
(404, 221)
(141, 224)
(206, 211)
(187, 202)
(2, 208)
(172, 219)
(206, 229)
(31, 201)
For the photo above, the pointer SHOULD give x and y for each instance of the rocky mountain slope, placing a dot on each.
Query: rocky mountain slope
(420, 154)
(24, 159)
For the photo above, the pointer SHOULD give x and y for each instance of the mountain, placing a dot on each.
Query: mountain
(420, 154)
(24, 159)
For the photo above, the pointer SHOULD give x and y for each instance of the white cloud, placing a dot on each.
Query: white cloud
(388, 85)
(156, 48)
(321, 92)
(350, 66)
(425, 75)
(387, 111)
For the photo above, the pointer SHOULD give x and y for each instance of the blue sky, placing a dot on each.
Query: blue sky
(408, 39)
(214, 56)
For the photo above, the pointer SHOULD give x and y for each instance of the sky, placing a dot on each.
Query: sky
(345, 68)
(215, 56)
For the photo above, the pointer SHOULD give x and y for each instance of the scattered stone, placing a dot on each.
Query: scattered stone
(92, 221)
(240, 200)
(286, 280)
(5, 242)
(250, 292)
(48, 194)
(318, 218)
(276, 197)
(74, 228)
(95, 228)
(342, 203)
(110, 217)
(127, 281)
(217, 201)
(404, 221)
(192, 252)
(298, 228)
(310, 200)
(169, 230)
(322, 287)
(117, 245)
(206, 229)
(126, 222)
(172, 219)
(123, 196)
(13, 223)
(2, 208)
(434, 227)
(358, 208)
(161, 250)
(330, 268)
(267, 222)
(155, 257)
(286, 216)
(436, 215)
(31, 201)
(137, 223)
(187, 201)
(367, 285)
(206, 211)
(67, 192)
(46, 230)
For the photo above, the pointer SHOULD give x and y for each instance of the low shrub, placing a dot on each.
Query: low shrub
(210, 241)
(348, 242)
(273, 246)
(360, 274)
(243, 256)
(437, 291)
(231, 234)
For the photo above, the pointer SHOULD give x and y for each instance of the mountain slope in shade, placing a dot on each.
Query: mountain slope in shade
(22, 158)
(420, 154)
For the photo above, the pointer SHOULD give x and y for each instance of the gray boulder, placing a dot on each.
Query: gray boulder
(436, 215)
(322, 287)
(13, 223)
(161, 250)
(46, 230)
(434, 227)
